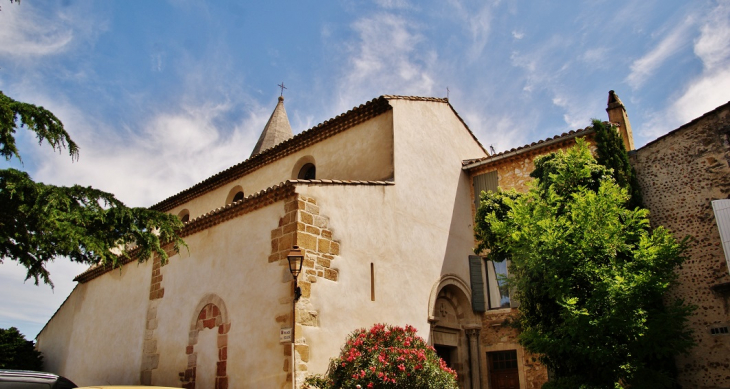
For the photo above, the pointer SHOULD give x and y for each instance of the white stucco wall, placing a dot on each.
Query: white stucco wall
(414, 232)
(94, 338)
(363, 152)
(229, 260)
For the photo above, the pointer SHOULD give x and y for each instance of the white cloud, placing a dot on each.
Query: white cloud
(646, 66)
(597, 56)
(169, 152)
(26, 33)
(387, 57)
(713, 45)
(392, 4)
(518, 34)
(707, 90)
(478, 22)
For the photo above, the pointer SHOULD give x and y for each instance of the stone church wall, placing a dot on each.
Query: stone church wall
(680, 174)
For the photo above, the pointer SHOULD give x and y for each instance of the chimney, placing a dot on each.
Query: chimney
(617, 115)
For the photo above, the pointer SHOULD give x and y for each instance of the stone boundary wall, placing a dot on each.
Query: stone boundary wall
(680, 174)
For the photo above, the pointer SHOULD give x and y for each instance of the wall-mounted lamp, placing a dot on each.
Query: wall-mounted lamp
(295, 258)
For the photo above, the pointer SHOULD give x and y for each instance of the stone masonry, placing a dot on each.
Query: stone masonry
(680, 174)
(304, 226)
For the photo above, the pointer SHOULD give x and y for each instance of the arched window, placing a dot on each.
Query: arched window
(184, 216)
(307, 172)
(236, 194)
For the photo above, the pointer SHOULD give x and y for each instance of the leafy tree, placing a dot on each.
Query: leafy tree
(39, 222)
(386, 357)
(18, 353)
(612, 154)
(590, 275)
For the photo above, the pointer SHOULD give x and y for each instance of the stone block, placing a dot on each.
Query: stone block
(311, 200)
(313, 230)
(150, 346)
(308, 263)
(275, 233)
(221, 368)
(193, 337)
(303, 351)
(152, 324)
(221, 383)
(222, 340)
(306, 218)
(334, 248)
(286, 242)
(327, 234)
(273, 257)
(324, 245)
(285, 318)
(286, 364)
(330, 274)
(323, 262)
(301, 226)
(306, 289)
(290, 206)
(146, 378)
(307, 241)
(291, 227)
(151, 361)
(149, 334)
(189, 350)
(321, 221)
(311, 208)
(306, 318)
(224, 328)
(152, 312)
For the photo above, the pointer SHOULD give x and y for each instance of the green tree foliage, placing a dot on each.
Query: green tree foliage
(39, 222)
(386, 357)
(612, 154)
(18, 353)
(590, 275)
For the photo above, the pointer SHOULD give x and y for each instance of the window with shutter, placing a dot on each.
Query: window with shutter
(722, 217)
(484, 183)
(499, 294)
(477, 284)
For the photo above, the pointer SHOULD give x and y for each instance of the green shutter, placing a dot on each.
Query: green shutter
(484, 183)
(477, 284)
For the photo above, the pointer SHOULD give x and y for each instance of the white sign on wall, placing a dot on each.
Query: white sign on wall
(285, 335)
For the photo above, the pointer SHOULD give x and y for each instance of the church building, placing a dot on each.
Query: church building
(381, 201)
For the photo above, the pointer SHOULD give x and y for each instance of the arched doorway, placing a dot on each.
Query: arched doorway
(455, 330)
(207, 348)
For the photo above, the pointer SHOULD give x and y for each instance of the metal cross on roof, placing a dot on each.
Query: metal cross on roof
(282, 88)
(447, 93)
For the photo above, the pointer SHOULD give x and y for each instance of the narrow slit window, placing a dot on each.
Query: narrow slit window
(372, 282)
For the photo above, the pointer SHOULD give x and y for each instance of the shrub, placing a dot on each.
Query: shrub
(386, 357)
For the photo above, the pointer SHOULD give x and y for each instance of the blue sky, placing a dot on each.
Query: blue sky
(162, 94)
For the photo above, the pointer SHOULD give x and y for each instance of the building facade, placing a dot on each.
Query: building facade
(382, 200)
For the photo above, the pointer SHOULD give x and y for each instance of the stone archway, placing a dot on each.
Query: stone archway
(455, 329)
(211, 313)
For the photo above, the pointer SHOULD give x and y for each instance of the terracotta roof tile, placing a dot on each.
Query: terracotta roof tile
(470, 163)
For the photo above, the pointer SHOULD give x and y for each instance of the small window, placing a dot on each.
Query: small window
(235, 194)
(184, 216)
(308, 172)
(503, 369)
(497, 284)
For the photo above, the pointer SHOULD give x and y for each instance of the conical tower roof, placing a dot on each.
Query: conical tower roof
(276, 131)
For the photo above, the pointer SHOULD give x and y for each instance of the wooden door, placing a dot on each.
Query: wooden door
(503, 373)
